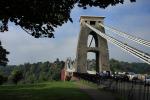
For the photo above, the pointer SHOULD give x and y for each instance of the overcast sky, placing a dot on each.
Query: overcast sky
(133, 18)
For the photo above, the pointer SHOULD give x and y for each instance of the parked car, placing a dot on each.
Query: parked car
(132, 76)
(147, 80)
(141, 77)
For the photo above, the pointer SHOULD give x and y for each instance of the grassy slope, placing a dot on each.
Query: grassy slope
(43, 91)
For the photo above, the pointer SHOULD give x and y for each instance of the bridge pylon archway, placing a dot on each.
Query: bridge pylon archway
(100, 49)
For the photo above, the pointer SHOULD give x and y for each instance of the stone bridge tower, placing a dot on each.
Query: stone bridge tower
(100, 49)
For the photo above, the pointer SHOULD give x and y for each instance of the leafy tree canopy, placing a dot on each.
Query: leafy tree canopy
(40, 17)
(17, 75)
(3, 53)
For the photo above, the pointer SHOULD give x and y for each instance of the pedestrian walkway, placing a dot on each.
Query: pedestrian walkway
(95, 93)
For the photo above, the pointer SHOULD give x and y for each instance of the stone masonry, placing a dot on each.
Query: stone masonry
(101, 48)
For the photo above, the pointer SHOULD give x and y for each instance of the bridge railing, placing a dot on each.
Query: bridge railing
(129, 90)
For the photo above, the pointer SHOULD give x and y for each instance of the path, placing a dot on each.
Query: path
(95, 93)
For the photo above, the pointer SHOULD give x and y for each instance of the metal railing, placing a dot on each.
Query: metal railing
(127, 90)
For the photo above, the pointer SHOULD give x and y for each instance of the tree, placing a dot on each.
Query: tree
(40, 17)
(3, 54)
(2, 79)
(17, 75)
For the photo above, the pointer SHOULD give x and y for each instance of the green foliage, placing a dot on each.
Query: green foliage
(47, 71)
(3, 54)
(31, 73)
(40, 17)
(2, 79)
(116, 65)
(16, 76)
(43, 91)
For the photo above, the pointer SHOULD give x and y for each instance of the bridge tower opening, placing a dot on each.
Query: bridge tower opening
(91, 62)
(99, 47)
(92, 57)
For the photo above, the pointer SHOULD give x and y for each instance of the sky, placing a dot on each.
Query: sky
(133, 18)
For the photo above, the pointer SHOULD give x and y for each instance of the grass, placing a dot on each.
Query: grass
(91, 84)
(42, 91)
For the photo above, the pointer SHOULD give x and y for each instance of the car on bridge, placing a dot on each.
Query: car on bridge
(147, 80)
(132, 76)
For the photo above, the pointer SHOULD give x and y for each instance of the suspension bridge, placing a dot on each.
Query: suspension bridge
(92, 25)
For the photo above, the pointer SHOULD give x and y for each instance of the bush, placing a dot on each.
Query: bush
(17, 75)
(3, 79)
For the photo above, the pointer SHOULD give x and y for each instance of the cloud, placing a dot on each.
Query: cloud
(130, 17)
(25, 48)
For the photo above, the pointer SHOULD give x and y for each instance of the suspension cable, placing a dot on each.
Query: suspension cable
(137, 53)
(91, 41)
(130, 37)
